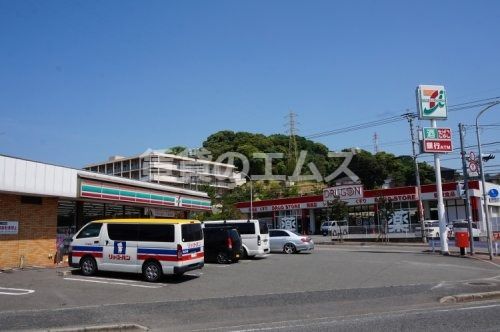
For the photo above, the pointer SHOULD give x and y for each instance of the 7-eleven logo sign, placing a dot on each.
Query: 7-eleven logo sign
(431, 102)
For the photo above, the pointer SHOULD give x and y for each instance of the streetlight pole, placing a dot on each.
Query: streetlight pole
(485, 196)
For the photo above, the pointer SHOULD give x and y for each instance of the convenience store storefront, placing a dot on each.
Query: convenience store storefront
(42, 204)
(305, 214)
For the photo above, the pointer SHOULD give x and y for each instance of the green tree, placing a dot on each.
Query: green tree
(178, 149)
(386, 212)
(338, 209)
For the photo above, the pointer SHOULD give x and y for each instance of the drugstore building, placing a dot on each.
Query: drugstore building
(306, 213)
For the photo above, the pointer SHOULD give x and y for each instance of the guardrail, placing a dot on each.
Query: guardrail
(375, 232)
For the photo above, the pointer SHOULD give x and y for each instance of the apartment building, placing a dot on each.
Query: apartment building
(170, 169)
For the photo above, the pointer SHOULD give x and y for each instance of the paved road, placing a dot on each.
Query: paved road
(336, 287)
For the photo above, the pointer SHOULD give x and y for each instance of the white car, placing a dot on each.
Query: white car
(462, 223)
(431, 229)
(334, 228)
(283, 240)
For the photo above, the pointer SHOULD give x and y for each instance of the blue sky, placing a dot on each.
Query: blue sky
(83, 80)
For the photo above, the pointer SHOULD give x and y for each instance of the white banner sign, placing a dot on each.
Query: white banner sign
(285, 207)
(399, 223)
(289, 223)
(9, 227)
(347, 192)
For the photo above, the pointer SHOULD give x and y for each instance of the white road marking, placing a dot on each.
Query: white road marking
(439, 285)
(110, 279)
(15, 291)
(114, 283)
(194, 274)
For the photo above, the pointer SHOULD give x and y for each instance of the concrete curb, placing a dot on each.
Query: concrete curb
(390, 244)
(469, 297)
(102, 328)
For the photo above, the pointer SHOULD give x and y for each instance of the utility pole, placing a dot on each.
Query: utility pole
(461, 130)
(292, 132)
(410, 117)
(375, 142)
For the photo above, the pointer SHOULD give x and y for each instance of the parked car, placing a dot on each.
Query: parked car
(431, 229)
(222, 244)
(282, 240)
(334, 228)
(463, 223)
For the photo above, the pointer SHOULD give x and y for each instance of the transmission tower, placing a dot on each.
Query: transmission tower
(292, 132)
(375, 142)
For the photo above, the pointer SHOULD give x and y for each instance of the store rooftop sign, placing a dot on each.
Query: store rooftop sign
(431, 102)
(344, 193)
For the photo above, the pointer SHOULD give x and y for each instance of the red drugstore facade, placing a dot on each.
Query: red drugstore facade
(306, 213)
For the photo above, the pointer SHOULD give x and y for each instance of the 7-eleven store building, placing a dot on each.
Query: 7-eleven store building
(41, 205)
(307, 213)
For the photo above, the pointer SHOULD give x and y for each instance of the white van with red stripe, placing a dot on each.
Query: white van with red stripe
(153, 247)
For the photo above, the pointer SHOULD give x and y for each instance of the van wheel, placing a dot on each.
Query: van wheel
(222, 258)
(289, 248)
(243, 253)
(88, 266)
(151, 271)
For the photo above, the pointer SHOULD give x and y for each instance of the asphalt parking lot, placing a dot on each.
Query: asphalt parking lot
(326, 273)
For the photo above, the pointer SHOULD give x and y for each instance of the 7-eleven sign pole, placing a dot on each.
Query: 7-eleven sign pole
(441, 212)
(431, 103)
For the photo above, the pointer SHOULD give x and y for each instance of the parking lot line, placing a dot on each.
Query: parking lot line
(15, 291)
(122, 283)
(111, 279)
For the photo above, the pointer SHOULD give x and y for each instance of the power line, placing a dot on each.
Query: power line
(364, 125)
(397, 118)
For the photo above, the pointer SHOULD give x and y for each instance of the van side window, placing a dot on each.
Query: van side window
(191, 232)
(123, 232)
(91, 230)
(156, 233)
(244, 228)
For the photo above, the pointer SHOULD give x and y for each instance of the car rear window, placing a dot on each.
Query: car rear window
(191, 232)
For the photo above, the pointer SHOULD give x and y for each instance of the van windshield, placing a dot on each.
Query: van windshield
(191, 232)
